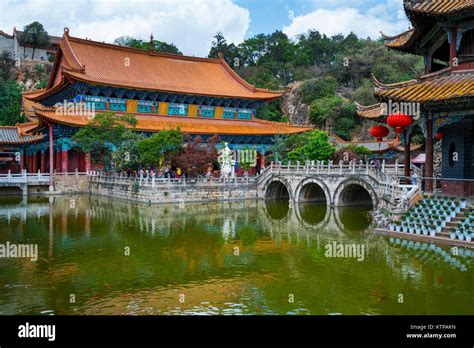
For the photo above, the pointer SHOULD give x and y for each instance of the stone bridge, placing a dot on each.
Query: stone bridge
(20, 182)
(338, 185)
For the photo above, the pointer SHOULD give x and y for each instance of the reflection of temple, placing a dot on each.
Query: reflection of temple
(190, 250)
(443, 33)
(202, 96)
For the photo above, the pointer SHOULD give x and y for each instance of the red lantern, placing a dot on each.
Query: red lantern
(439, 136)
(379, 132)
(399, 121)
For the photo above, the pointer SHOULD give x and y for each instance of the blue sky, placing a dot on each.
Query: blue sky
(269, 15)
(191, 24)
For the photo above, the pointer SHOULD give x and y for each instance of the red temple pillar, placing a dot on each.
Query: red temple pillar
(43, 161)
(35, 162)
(429, 154)
(58, 160)
(28, 162)
(262, 161)
(22, 161)
(452, 47)
(51, 161)
(64, 161)
(87, 160)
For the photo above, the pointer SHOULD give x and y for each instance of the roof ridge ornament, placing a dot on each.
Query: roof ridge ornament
(66, 31)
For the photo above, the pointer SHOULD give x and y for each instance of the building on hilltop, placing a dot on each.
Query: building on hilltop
(9, 43)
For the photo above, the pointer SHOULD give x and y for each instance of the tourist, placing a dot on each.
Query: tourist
(413, 178)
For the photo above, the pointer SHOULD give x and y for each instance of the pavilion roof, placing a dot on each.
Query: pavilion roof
(424, 15)
(190, 125)
(374, 111)
(438, 7)
(118, 66)
(446, 84)
(19, 134)
(400, 42)
(380, 146)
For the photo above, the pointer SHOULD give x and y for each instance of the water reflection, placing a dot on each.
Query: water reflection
(227, 258)
(277, 209)
(313, 214)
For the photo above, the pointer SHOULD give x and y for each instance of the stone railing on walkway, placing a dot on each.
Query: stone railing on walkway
(160, 190)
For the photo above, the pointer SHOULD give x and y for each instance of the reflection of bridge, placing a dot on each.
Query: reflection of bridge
(339, 185)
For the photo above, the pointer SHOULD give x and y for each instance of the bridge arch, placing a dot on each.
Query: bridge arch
(355, 191)
(313, 190)
(278, 188)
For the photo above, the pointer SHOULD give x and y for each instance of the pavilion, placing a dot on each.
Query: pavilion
(443, 33)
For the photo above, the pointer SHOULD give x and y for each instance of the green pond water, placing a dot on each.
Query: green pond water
(103, 256)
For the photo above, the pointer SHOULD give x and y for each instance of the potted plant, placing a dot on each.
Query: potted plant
(432, 231)
(425, 231)
(398, 227)
(468, 237)
(463, 202)
(418, 229)
(405, 228)
(452, 235)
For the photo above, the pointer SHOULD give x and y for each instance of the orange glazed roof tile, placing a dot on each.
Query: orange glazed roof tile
(442, 85)
(119, 66)
(191, 125)
(438, 7)
(28, 104)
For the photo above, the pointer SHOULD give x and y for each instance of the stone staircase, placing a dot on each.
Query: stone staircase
(455, 222)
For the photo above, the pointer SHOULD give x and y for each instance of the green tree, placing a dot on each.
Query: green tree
(157, 149)
(126, 155)
(271, 112)
(317, 147)
(229, 52)
(318, 89)
(103, 134)
(346, 120)
(351, 152)
(34, 35)
(10, 103)
(159, 46)
(327, 108)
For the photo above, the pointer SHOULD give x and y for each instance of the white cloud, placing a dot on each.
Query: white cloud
(189, 24)
(345, 20)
